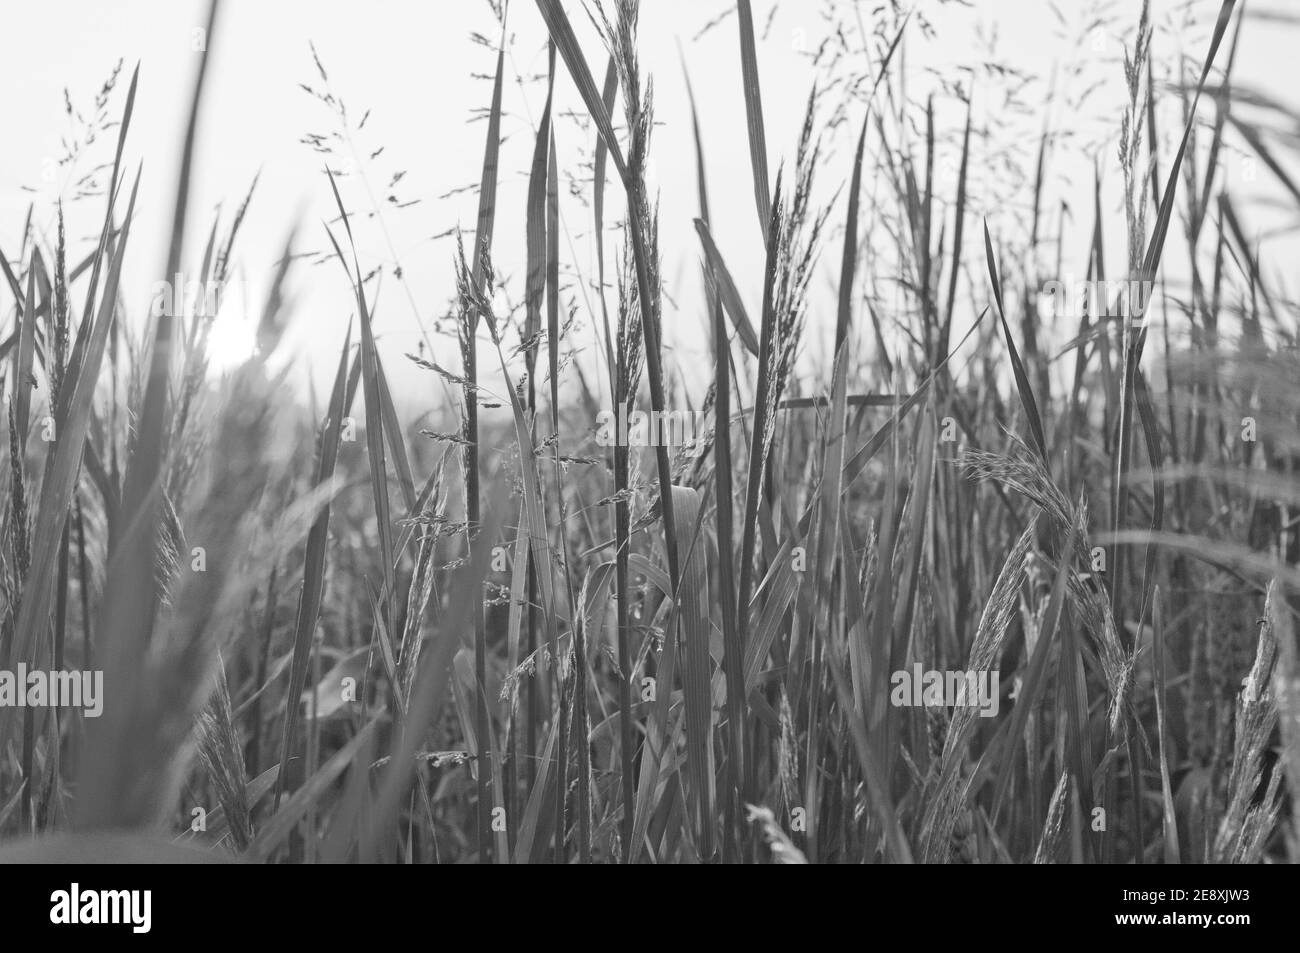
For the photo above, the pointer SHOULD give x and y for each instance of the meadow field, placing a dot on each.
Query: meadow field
(972, 538)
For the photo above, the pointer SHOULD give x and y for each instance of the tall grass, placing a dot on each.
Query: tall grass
(561, 650)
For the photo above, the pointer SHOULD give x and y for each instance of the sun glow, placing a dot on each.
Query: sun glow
(232, 338)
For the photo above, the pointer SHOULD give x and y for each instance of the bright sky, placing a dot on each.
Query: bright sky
(414, 65)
